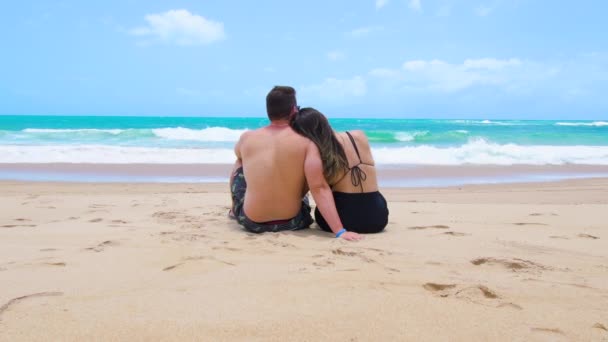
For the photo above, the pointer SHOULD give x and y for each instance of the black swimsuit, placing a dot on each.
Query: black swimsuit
(364, 212)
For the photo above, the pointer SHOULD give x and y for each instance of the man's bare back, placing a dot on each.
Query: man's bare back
(273, 165)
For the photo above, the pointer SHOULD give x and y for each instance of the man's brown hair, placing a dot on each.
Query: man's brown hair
(280, 101)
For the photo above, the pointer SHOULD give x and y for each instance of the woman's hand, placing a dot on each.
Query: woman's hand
(351, 236)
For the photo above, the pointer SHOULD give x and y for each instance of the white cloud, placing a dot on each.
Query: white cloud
(335, 55)
(438, 75)
(181, 27)
(483, 11)
(333, 88)
(469, 79)
(415, 5)
(381, 3)
(364, 31)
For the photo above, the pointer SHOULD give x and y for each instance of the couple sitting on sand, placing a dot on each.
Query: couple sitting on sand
(298, 151)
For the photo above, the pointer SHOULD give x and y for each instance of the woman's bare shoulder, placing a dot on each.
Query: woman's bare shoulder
(359, 136)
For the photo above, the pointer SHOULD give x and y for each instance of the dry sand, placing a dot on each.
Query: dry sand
(518, 262)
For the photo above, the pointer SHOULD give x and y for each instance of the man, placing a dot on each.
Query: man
(272, 173)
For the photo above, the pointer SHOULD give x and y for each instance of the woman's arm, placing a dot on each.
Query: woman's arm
(321, 192)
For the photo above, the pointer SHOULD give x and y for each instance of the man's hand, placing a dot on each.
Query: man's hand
(351, 236)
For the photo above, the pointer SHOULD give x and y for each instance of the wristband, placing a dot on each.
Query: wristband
(342, 231)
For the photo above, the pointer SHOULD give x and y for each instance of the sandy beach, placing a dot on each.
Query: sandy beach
(140, 262)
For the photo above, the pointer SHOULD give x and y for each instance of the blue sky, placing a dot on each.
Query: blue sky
(528, 59)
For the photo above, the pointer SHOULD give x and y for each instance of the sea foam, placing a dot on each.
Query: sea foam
(592, 124)
(476, 151)
(206, 134)
(116, 136)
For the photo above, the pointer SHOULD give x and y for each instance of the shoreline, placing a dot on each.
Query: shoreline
(389, 175)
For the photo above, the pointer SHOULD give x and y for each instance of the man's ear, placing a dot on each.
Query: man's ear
(294, 112)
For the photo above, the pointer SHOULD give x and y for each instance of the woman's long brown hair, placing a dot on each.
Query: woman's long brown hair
(312, 124)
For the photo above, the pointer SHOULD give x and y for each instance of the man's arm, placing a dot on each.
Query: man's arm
(321, 192)
(239, 161)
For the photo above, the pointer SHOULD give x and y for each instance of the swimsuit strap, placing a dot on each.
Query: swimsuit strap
(357, 176)
(352, 140)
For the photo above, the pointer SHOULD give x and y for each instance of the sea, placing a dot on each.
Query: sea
(28, 139)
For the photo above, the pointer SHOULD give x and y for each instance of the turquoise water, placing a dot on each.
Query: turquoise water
(102, 139)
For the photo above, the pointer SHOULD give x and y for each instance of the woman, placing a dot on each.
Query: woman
(348, 167)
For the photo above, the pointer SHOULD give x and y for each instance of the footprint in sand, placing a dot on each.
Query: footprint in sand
(479, 294)
(196, 258)
(100, 247)
(439, 289)
(323, 263)
(98, 206)
(455, 234)
(18, 225)
(231, 249)
(553, 331)
(530, 224)
(559, 237)
(351, 253)
(14, 301)
(473, 291)
(380, 252)
(184, 236)
(206, 258)
(169, 268)
(282, 244)
(587, 236)
(514, 264)
(166, 215)
(510, 305)
(60, 264)
(95, 220)
(599, 326)
(437, 226)
(221, 213)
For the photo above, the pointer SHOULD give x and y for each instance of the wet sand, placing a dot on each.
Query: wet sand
(389, 175)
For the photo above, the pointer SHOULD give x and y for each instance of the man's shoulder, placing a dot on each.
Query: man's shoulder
(287, 136)
(249, 133)
(300, 139)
